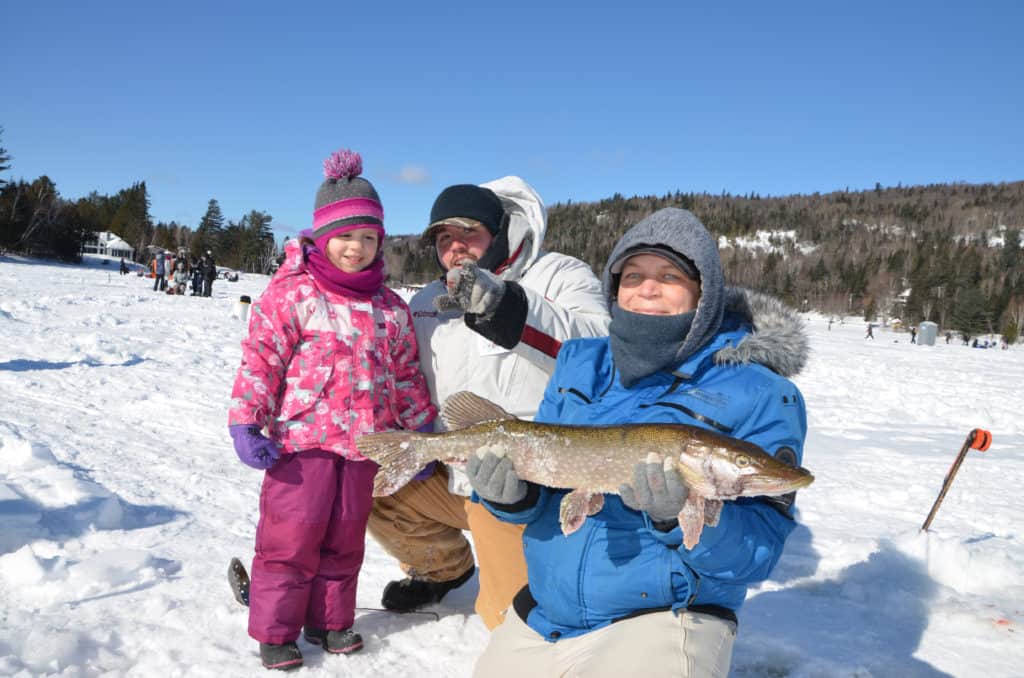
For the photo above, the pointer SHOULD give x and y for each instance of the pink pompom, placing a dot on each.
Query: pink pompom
(343, 164)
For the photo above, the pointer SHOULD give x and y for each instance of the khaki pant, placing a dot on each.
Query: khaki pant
(421, 525)
(655, 645)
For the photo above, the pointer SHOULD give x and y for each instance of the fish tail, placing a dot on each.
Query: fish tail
(398, 457)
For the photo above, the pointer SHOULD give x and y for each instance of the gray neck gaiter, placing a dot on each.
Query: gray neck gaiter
(644, 344)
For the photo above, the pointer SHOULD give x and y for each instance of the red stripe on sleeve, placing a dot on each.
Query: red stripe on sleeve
(542, 342)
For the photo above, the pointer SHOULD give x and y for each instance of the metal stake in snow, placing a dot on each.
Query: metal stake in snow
(978, 439)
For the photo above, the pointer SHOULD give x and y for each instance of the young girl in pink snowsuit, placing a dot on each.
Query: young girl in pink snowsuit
(331, 354)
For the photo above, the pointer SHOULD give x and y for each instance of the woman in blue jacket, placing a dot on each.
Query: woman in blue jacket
(621, 596)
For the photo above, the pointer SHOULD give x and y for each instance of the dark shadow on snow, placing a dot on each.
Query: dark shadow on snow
(25, 520)
(871, 616)
(799, 558)
(34, 365)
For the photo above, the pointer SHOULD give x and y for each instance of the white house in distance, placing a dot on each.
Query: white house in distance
(105, 242)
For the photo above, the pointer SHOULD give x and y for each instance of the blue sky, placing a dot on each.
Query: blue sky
(242, 101)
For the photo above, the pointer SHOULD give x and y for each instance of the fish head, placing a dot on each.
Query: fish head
(765, 475)
(737, 468)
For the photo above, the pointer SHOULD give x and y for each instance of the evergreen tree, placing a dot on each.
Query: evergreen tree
(820, 271)
(230, 245)
(131, 219)
(163, 237)
(5, 160)
(259, 248)
(969, 314)
(1011, 257)
(209, 231)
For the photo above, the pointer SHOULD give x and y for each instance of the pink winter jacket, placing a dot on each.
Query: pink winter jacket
(319, 369)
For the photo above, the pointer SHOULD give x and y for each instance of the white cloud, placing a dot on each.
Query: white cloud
(413, 174)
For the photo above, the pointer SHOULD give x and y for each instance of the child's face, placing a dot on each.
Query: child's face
(354, 250)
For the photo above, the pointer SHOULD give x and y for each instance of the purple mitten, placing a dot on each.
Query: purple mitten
(428, 470)
(252, 447)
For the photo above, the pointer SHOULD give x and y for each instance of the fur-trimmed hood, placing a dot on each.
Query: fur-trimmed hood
(778, 340)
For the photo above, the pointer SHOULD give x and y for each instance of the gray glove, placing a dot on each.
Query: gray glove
(494, 479)
(655, 491)
(471, 289)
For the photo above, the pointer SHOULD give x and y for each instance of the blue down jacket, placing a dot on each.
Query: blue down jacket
(617, 564)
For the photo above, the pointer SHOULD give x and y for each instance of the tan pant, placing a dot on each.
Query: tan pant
(655, 645)
(421, 525)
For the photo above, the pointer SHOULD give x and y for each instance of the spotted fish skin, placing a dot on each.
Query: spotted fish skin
(589, 460)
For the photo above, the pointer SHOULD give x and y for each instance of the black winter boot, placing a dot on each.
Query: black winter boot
(345, 641)
(408, 594)
(283, 657)
(238, 578)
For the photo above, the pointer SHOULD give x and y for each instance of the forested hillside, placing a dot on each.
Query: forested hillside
(947, 252)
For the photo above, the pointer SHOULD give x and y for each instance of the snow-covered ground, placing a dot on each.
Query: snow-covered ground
(121, 503)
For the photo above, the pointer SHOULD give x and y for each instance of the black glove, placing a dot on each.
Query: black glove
(658, 492)
(494, 479)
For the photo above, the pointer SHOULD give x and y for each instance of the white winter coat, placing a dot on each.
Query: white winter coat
(565, 301)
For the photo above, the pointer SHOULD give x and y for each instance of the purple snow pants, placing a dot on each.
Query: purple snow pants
(309, 544)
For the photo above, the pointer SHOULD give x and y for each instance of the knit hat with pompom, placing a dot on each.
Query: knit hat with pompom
(345, 200)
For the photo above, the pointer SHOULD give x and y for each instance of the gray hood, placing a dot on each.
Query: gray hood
(779, 340)
(681, 232)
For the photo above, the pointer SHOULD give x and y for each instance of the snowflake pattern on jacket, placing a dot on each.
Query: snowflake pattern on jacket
(320, 369)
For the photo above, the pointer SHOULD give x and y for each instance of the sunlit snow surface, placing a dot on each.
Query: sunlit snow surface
(121, 503)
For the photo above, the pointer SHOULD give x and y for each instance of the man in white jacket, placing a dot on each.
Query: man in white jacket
(493, 325)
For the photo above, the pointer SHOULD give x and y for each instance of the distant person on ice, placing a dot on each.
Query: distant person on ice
(197, 276)
(209, 273)
(870, 334)
(622, 595)
(179, 281)
(159, 271)
(331, 354)
(913, 335)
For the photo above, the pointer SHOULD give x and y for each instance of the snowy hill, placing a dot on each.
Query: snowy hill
(121, 503)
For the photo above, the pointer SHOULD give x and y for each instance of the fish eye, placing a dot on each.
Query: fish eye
(742, 461)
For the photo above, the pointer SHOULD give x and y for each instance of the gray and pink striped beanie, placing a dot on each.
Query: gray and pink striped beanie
(345, 200)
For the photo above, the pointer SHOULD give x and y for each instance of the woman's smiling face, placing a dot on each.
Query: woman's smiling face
(653, 285)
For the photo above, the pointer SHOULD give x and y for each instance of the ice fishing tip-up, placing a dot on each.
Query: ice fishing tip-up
(978, 439)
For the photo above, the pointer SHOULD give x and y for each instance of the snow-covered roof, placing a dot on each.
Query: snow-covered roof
(112, 241)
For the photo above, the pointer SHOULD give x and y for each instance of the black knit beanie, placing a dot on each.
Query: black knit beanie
(470, 201)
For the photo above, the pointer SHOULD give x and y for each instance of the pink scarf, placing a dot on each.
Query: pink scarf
(362, 285)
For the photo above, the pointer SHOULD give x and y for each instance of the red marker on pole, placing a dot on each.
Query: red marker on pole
(978, 439)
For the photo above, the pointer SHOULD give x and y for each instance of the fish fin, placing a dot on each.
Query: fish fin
(463, 408)
(691, 519)
(395, 453)
(712, 511)
(575, 508)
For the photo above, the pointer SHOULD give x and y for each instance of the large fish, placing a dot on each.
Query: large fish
(589, 460)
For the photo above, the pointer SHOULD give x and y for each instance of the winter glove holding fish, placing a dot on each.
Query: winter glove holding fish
(658, 490)
(494, 479)
(471, 289)
(252, 447)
